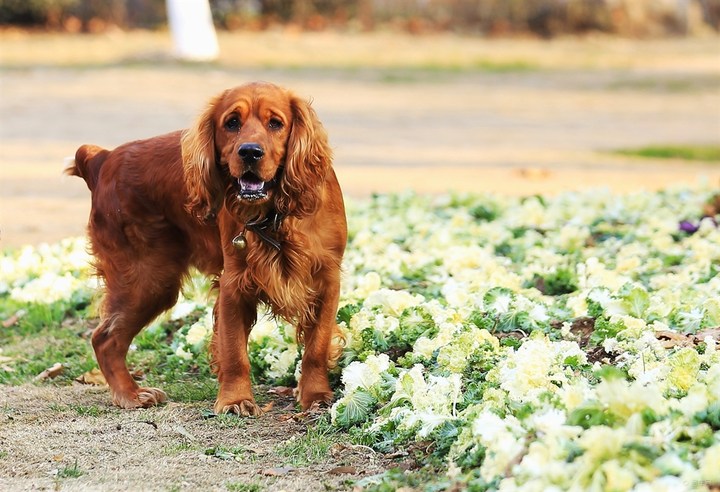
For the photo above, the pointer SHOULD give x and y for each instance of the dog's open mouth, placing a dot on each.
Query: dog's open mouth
(251, 187)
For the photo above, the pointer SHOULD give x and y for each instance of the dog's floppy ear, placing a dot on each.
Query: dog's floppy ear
(203, 178)
(307, 162)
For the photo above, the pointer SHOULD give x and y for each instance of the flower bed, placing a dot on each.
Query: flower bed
(543, 343)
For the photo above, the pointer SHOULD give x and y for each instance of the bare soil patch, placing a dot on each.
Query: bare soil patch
(70, 438)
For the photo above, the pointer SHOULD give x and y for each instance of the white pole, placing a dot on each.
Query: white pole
(192, 29)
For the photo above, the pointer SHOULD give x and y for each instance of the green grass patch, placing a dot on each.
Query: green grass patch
(31, 356)
(243, 487)
(43, 335)
(237, 453)
(181, 447)
(190, 389)
(228, 421)
(80, 410)
(89, 410)
(313, 447)
(706, 153)
(70, 471)
(439, 72)
(667, 84)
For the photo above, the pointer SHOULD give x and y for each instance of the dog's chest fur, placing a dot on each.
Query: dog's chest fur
(282, 278)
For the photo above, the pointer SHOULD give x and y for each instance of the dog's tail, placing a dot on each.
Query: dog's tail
(87, 163)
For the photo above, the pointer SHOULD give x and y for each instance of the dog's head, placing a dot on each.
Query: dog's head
(256, 144)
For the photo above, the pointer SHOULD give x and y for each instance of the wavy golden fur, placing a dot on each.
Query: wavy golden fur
(255, 168)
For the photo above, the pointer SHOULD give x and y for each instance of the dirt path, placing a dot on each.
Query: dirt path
(531, 122)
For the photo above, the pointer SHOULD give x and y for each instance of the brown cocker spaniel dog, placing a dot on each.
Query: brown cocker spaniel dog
(247, 195)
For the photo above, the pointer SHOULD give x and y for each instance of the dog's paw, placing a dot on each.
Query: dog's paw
(243, 408)
(142, 398)
(149, 397)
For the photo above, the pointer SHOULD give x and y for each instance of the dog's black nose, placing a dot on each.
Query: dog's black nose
(250, 153)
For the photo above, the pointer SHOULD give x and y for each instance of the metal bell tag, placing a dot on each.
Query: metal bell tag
(239, 241)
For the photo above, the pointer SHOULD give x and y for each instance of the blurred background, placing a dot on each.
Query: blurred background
(544, 18)
(505, 96)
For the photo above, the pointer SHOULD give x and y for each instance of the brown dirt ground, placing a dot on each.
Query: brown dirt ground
(43, 432)
(402, 113)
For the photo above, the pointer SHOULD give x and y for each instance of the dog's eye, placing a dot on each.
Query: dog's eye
(275, 124)
(232, 124)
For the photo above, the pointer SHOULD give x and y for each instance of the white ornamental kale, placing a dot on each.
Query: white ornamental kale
(631, 271)
(48, 273)
(539, 366)
(421, 403)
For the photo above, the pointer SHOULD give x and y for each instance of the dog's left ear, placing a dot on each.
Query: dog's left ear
(307, 162)
(202, 176)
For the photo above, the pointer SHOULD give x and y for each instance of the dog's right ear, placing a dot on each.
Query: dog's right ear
(203, 178)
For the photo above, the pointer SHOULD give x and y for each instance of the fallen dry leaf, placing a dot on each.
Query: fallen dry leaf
(13, 319)
(710, 332)
(285, 417)
(268, 407)
(712, 207)
(51, 372)
(281, 391)
(93, 376)
(315, 410)
(277, 471)
(670, 339)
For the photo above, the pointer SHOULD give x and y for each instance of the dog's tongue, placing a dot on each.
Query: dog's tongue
(250, 182)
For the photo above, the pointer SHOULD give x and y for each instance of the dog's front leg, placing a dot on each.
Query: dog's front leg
(236, 316)
(323, 343)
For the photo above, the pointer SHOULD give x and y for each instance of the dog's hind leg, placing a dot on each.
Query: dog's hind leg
(132, 300)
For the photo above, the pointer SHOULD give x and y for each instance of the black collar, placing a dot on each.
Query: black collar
(267, 227)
